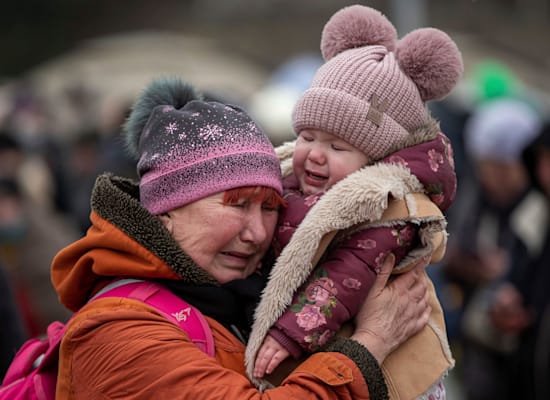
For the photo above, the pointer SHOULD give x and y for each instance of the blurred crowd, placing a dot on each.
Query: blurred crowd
(493, 283)
(495, 276)
(45, 185)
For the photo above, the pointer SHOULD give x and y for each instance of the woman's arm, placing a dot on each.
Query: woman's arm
(391, 314)
(127, 351)
(122, 349)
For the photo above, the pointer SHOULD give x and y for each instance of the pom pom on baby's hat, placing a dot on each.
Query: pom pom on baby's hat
(372, 89)
(432, 60)
(428, 56)
(356, 26)
(161, 91)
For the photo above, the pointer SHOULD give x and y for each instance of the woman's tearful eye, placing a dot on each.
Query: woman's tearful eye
(240, 204)
(268, 207)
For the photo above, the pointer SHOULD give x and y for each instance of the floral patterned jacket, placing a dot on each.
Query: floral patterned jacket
(395, 205)
(341, 282)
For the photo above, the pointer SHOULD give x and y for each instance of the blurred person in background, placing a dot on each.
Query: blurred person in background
(83, 163)
(521, 304)
(11, 155)
(30, 235)
(40, 173)
(12, 334)
(496, 229)
(112, 150)
(489, 79)
(91, 151)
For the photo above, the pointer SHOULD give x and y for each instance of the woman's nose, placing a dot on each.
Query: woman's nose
(255, 230)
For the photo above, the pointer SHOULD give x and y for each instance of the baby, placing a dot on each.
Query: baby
(371, 173)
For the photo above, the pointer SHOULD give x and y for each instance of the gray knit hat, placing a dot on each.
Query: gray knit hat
(372, 89)
(500, 129)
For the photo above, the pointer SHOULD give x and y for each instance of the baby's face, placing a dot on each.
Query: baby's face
(322, 159)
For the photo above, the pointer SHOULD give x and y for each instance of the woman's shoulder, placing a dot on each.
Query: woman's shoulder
(113, 341)
(116, 314)
(115, 318)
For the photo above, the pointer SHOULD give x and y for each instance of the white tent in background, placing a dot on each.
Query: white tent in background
(114, 69)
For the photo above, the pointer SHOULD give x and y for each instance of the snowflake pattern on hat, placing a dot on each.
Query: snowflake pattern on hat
(199, 150)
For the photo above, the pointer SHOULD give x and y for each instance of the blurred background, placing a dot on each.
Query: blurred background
(70, 70)
(95, 54)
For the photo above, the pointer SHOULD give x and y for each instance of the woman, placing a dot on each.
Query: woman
(201, 222)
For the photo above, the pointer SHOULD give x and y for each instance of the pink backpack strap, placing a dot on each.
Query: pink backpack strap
(177, 310)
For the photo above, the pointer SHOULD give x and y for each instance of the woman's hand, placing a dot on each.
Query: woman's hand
(393, 311)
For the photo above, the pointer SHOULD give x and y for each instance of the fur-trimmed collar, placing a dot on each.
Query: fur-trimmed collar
(360, 198)
(116, 200)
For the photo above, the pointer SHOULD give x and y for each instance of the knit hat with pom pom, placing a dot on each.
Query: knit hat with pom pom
(189, 148)
(372, 89)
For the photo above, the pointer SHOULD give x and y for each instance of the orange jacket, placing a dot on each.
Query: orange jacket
(121, 348)
(118, 348)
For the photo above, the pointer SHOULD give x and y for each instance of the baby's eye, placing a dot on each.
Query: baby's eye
(338, 147)
(307, 138)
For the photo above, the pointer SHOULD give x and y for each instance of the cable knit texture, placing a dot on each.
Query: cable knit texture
(372, 89)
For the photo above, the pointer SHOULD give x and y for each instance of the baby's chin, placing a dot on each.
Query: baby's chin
(311, 191)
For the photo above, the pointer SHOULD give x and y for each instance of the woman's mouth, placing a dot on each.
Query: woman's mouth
(237, 258)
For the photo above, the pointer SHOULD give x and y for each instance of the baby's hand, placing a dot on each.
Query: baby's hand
(270, 355)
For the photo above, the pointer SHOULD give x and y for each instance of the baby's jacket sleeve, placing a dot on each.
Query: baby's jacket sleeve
(338, 286)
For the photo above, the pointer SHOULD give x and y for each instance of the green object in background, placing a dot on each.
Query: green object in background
(493, 80)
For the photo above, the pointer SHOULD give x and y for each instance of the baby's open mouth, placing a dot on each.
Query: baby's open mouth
(315, 176)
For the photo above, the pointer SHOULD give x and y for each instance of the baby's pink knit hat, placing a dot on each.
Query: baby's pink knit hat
(372, 89)
(189, 148)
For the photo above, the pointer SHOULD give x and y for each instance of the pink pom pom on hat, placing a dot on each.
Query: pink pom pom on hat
(372, 89)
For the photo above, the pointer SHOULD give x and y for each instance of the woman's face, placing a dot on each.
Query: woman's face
(228, 241)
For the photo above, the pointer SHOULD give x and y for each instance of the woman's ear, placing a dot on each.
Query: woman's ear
(166, 221)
